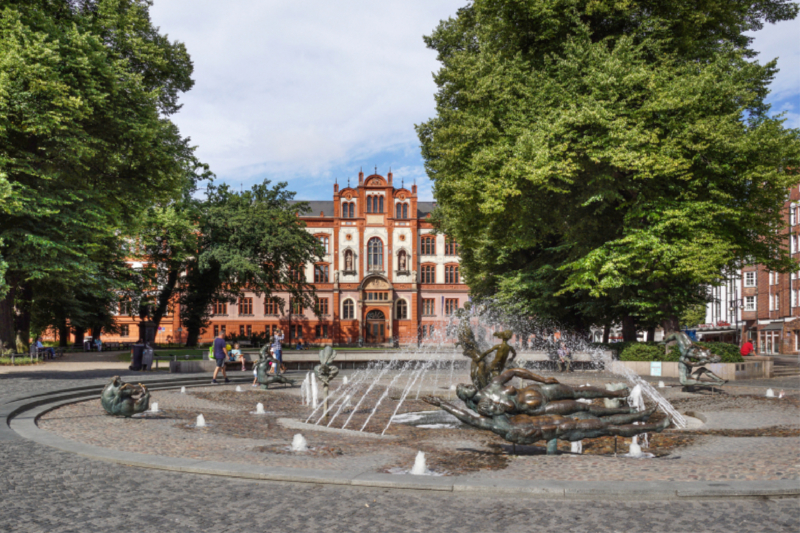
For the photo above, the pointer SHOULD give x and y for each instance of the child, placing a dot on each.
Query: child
(236, 354)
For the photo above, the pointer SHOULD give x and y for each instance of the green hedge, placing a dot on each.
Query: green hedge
(652, 351)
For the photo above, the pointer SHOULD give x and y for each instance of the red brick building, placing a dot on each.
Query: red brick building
(384, 276)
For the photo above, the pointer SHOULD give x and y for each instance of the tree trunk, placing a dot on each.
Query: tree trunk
(651, 334)
(671, 325)
(606, 333)
(96, 331)
(63, 332)
(7, 322)
(22, 321)
(629, 329)
(165, 296)
(79, 334)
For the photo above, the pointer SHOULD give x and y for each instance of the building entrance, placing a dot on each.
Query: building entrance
(376, 327)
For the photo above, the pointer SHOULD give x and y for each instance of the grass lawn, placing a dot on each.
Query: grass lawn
(21, 360)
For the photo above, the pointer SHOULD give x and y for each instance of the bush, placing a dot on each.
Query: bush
(651, 351)
(645, 351)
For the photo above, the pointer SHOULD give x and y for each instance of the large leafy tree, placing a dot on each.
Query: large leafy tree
(200, 251)
(86, 89)
(602, 160)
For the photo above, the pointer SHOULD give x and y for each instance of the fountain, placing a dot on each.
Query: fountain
(314, 392)
(120, 399)
(201, 422)
(344, 380)
(326, 372)
(305, 390)
(299, 443)
(419, 468)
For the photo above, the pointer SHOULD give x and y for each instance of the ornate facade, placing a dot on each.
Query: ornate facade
(384, 275)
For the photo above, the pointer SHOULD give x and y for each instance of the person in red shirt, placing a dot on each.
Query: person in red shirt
(747, 348)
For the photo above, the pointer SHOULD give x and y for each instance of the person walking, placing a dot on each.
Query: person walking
(220, 355)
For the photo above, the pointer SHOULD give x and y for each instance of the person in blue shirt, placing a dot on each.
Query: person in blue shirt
(220, 354)
(276, 347)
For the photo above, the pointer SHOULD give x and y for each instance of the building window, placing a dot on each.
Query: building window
(296, 306)
(322, 306)
(321, 274)
(773, 278)
(774, 302)
(375, 204)
(270, 307)
(450, 306)
(349, 262)
(222, 329)
(349, 210)
(375, 254)
(749, 303)
(348, 310)
(428, 307)
(402, 211)
(402, 310)
(324, 241)
(427, 332)
(792, 215)
(377, 296)
(321, 331)
(450, 247)
(794, 244)
(298, 331)
(428, 245)
(245, 306)
(249, 330)
(797, 341)
(451, 274)
(124, 308)
(124, 330)
(749, 279)
(220, 308)
(216, 331)
(428, 274)
(241, 330)
(296, 274)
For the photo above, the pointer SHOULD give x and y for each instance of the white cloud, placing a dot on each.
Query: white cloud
(296, 88)
(781, 41)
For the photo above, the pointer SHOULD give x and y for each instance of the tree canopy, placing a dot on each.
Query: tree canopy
(86, 90)
(602, 161)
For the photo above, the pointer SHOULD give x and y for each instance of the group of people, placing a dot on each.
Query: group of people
(223, 353)
(92, 344)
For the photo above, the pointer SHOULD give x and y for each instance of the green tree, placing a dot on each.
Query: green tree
(86, 89)
(599, 157)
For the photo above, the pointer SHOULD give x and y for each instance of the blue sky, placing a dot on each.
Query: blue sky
(308, 92)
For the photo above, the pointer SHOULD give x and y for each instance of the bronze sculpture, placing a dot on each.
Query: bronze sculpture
(692, 355)
(326, 372)
(119, 399)
(262, 368)
(542, 409)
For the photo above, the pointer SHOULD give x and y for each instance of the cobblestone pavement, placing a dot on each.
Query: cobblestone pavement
(45, 490)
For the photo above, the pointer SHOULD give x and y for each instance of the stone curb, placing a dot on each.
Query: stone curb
(21, 415)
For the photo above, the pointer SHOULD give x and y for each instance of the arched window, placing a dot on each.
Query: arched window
(399, 211)
(450, 247)
(428, 274)
(352, 210)
(380, 204)
(324, 241)
(375, 254)
(402, 261)
(348, 310)
(405, 210)
(402, 310)
(428, 245)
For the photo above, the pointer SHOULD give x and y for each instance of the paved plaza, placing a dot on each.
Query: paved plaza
(47, 489)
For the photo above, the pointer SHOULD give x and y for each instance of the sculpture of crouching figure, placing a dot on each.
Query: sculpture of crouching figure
(124, 399)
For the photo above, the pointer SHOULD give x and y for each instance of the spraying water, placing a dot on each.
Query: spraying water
(154, 407)
(344, 380)
(260, 408)
(183, 390)
(314, 392)
(419, 468)
(576, 447)
(238, 388)
(770, 393)
(299, 443)
(201, 422)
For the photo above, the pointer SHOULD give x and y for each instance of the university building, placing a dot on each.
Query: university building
(384, 276)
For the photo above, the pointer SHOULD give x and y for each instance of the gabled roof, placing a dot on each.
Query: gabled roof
(423, 208)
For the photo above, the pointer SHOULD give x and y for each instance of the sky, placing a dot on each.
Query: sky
(311, 91)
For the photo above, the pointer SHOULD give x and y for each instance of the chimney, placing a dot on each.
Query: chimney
(361, 177)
